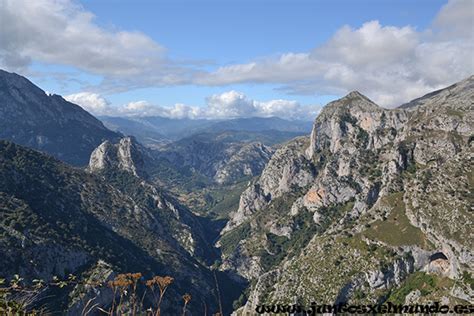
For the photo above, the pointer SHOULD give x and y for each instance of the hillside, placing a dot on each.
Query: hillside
(57, 220)
(30, 117)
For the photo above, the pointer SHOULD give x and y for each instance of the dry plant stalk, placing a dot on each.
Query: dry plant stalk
(186, 299)
(162, 283)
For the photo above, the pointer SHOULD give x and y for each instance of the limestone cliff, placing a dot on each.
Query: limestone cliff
(360, 209)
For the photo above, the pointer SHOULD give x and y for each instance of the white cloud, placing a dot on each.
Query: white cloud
(369, 46)
(91, 102)
(390, 64)
(231, 104)
(455, 19)
(144, 108)
(62, 32)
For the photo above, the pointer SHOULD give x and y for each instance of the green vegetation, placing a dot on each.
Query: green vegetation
(396, 230)
(427, 284)
(231, 240)
(225, 200)
(178, 179)
(279, 246)
(346, 117)
(330, 263)
(369, 168)
(362, 137)
(304, 229)
(454, 112)
(66, 215)
(468, 279)
(211, 200)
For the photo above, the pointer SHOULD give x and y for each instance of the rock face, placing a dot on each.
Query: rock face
(30, 117)
(355, 211)
(126, 155)
(242, 160)
(288, 168)
(220, 160)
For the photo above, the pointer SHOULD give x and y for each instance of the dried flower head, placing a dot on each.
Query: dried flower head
(121, 281)
(186, 298)
(150, 283)
(163, 282)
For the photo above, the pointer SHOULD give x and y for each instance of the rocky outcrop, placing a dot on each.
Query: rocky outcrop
(126, 155)
(288, 168)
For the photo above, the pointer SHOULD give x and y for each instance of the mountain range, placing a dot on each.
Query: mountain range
(367, 205)
(154, 131)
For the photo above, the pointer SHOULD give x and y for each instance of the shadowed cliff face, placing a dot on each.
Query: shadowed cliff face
(359, 206)
(30, 117)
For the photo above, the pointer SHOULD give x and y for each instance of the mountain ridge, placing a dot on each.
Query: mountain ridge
(30, 117)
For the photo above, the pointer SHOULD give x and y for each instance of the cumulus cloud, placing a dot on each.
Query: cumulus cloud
(390, 64)
(62, 32)
(91, 102)
(455, 19)
(144, 108)
(231, 104)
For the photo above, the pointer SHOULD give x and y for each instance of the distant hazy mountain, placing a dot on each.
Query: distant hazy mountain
(258, 124)
(154, 131)
(30, 117)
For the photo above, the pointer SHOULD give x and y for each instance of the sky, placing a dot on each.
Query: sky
(235, 58)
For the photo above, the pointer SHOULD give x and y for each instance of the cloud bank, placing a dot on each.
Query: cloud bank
(62, 32)
(231, 104)
(389, 64)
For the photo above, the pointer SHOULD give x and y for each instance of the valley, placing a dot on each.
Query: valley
(350, 208)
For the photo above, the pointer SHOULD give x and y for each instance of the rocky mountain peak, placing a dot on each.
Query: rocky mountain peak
(8, 79)
(354, 101)
(351, 122)
(126, 155)
(355, 94)
(380, 198)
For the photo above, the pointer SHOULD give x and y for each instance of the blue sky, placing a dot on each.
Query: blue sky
(195, 53)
